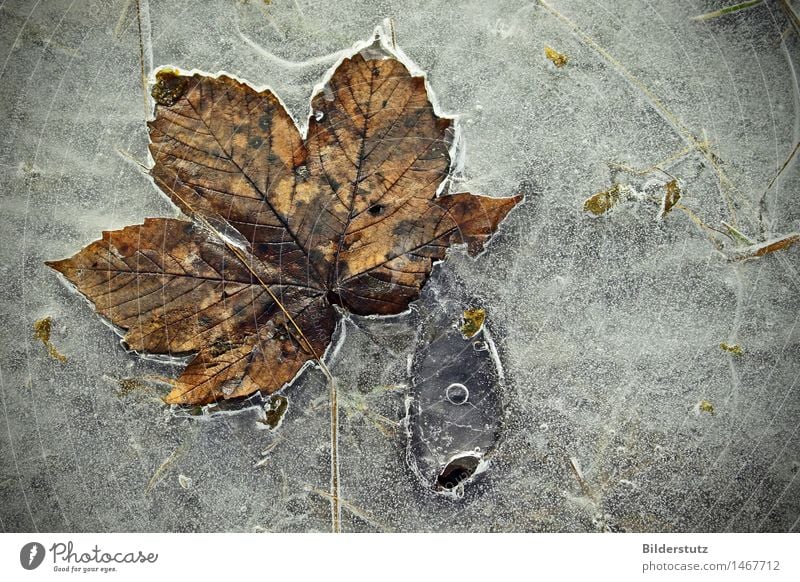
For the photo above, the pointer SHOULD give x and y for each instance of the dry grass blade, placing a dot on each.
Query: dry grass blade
(767, 247)
(727, 10)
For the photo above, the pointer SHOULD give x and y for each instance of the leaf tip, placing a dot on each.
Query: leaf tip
(60, 265)
(174, 397)
(510, 204)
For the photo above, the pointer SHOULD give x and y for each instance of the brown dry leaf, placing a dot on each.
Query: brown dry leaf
(672, 195)
(348, 216)
(759, 250)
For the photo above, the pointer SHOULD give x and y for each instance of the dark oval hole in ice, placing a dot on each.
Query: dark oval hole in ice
(457, 471)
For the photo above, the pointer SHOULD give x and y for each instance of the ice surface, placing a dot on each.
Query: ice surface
(609, 328)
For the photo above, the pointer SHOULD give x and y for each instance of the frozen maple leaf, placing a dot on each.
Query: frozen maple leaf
(349, 216)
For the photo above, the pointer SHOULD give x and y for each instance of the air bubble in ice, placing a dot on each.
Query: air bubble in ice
(457, 393)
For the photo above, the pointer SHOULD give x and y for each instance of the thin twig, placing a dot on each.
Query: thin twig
(122, 18)
(354, 509)
(576, 469)
(158, 475)
(658, 166)
(762, 200)
(128, 156)
(727, 10)
(794, 19)
(142, 67)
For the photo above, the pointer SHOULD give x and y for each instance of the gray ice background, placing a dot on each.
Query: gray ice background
(608, 328)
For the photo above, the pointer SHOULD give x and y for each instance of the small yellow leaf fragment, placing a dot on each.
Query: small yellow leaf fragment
(472, 321)
(42, 328)
(555, 57)
(672, 195)
(705, 406)
(735, 349)
(603, 201)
